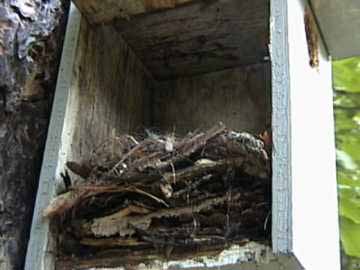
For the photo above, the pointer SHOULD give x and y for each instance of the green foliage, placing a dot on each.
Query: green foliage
(350, 235)
(347, 111)
(350, 204)
(346, 75)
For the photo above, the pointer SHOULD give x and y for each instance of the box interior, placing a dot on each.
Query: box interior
(126, 80)
(171, 71)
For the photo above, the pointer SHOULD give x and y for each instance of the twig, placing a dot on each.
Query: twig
(134, 189)
(204, 167)
(128, 154)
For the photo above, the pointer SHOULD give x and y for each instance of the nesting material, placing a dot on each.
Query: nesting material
(166, 197)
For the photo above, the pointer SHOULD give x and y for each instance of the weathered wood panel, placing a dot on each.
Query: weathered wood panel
(110, 90)
(104, 11)
(241, 98)
(202, 37)
(40, 252)
(281, 136)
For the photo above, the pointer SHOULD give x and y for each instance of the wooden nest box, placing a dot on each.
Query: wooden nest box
(184, 65)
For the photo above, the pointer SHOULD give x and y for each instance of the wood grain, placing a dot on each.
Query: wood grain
(201, 37)
(238, 97)
(104, 11)
(110, 90)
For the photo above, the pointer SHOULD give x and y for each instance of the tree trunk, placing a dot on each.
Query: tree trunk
(31, 34)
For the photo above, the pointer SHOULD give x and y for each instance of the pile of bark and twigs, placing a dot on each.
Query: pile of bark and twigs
(167, 195)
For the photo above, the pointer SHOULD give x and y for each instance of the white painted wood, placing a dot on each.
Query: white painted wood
(314, 195)
(281, 180)
(39, 254)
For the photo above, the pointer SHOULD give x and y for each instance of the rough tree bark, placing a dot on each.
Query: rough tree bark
(31, 33)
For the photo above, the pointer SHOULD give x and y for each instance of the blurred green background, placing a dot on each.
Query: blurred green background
(347, 113)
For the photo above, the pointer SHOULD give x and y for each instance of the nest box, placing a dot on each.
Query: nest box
(184, 65)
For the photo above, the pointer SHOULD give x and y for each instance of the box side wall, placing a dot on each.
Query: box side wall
(110, 92)
(240, 97)
(41, 248)
(315, 211)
